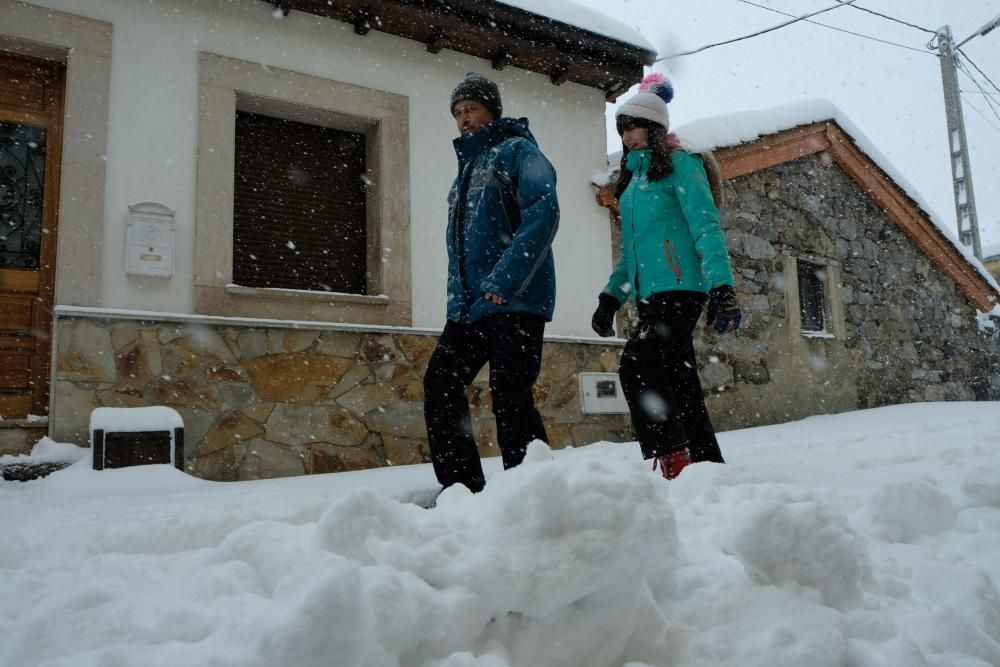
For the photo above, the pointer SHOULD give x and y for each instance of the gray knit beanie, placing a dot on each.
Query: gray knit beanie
(478, 88)
(650, 103)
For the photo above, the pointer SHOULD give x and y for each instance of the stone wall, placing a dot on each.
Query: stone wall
(900, 331)
(262, 402)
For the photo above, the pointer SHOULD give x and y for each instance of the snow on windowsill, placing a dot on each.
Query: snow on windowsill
(817, 334)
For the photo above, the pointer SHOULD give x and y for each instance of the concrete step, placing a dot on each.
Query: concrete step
(18, 436)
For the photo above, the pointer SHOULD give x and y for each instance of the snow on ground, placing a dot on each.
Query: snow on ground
(865, 539)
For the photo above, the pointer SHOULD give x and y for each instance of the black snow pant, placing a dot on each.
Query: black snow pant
(512, 344)
(659, 376)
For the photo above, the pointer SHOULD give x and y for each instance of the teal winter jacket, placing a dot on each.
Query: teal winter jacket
(670, 232)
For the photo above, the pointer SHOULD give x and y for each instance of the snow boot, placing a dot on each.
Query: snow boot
(672, 464)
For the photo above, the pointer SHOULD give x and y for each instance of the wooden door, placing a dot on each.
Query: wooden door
(31, 101)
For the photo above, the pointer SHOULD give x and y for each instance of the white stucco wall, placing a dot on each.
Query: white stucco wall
(153, 124)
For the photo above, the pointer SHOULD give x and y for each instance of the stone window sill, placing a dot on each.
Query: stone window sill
(307, 295)
(817, 334)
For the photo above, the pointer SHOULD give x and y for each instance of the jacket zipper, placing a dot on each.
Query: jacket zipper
(673, 259)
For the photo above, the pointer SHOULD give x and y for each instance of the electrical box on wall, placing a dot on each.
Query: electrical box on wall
(149, 240)
(601, 393)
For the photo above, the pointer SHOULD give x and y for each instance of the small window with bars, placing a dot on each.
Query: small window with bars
(299, 209)
(812, 303)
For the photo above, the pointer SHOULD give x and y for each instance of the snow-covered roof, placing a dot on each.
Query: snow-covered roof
(742, 127)
(585, 18)
(745, 126)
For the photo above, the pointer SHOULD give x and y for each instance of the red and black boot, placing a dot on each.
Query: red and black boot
(672, 464)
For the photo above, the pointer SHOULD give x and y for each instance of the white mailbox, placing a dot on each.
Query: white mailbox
(601, 393)
(149, 240)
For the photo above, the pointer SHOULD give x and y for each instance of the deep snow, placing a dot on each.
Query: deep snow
(866, 539)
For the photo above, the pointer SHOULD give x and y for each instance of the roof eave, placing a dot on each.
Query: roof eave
(505, 36)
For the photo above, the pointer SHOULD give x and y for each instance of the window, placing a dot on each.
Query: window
(812, 279)
(299, 210)
(303, 197)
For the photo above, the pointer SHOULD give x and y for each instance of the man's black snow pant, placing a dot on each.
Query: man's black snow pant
(659, 377)
(512, 344)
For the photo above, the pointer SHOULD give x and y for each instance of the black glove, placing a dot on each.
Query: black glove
(604, 317)
(723, 309)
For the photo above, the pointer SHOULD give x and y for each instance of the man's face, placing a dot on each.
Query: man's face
(470, 116)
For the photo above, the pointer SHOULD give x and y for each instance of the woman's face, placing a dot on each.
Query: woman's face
(635, 138)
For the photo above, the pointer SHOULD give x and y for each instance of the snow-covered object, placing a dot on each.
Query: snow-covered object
(591, 20)
(47, 450)
(130, 420)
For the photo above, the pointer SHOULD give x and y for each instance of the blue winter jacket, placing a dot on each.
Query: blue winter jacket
(502, 216)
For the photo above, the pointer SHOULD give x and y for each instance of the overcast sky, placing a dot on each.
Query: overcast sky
(892, 94)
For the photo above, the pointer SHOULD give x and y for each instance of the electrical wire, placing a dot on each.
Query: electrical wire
(981, 114)
(892, 18)
(962, 68)
(849, 32)
(759, 32)
(979, 70)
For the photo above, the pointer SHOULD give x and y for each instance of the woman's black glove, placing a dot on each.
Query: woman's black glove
(723, 309)
(604, 317)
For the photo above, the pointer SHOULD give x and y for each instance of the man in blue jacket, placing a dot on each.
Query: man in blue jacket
(502, 217)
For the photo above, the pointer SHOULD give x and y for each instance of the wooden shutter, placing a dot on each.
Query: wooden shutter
(299, 219)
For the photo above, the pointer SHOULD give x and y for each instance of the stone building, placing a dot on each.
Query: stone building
(852, 296)
(237, 209)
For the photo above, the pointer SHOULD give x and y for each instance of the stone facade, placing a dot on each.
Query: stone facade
(897, 330)
(992, 264)
(262, 402)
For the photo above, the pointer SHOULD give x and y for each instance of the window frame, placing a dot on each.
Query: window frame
(367, 225)
(832, 293)
(820, 291)
(228, 85)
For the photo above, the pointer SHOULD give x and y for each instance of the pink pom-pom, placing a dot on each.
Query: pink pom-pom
(659, 85)
(650, 80)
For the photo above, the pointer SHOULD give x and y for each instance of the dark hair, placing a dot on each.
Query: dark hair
(661, 165)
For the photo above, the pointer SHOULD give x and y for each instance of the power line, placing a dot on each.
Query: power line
(989, 102)
(758, 33)
(849, 32)
(977, 92)
(982, 115)
(979, 70)
(892, 18)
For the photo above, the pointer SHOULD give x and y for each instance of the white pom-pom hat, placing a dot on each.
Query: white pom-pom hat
(650, 103)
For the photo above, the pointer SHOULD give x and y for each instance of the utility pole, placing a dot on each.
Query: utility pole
(961, 170)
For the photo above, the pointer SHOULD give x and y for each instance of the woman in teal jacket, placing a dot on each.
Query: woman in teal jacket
(673, 261)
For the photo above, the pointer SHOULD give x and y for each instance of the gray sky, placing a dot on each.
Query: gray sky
(892, 94)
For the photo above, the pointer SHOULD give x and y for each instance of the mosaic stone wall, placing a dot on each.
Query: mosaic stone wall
(272, 402)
